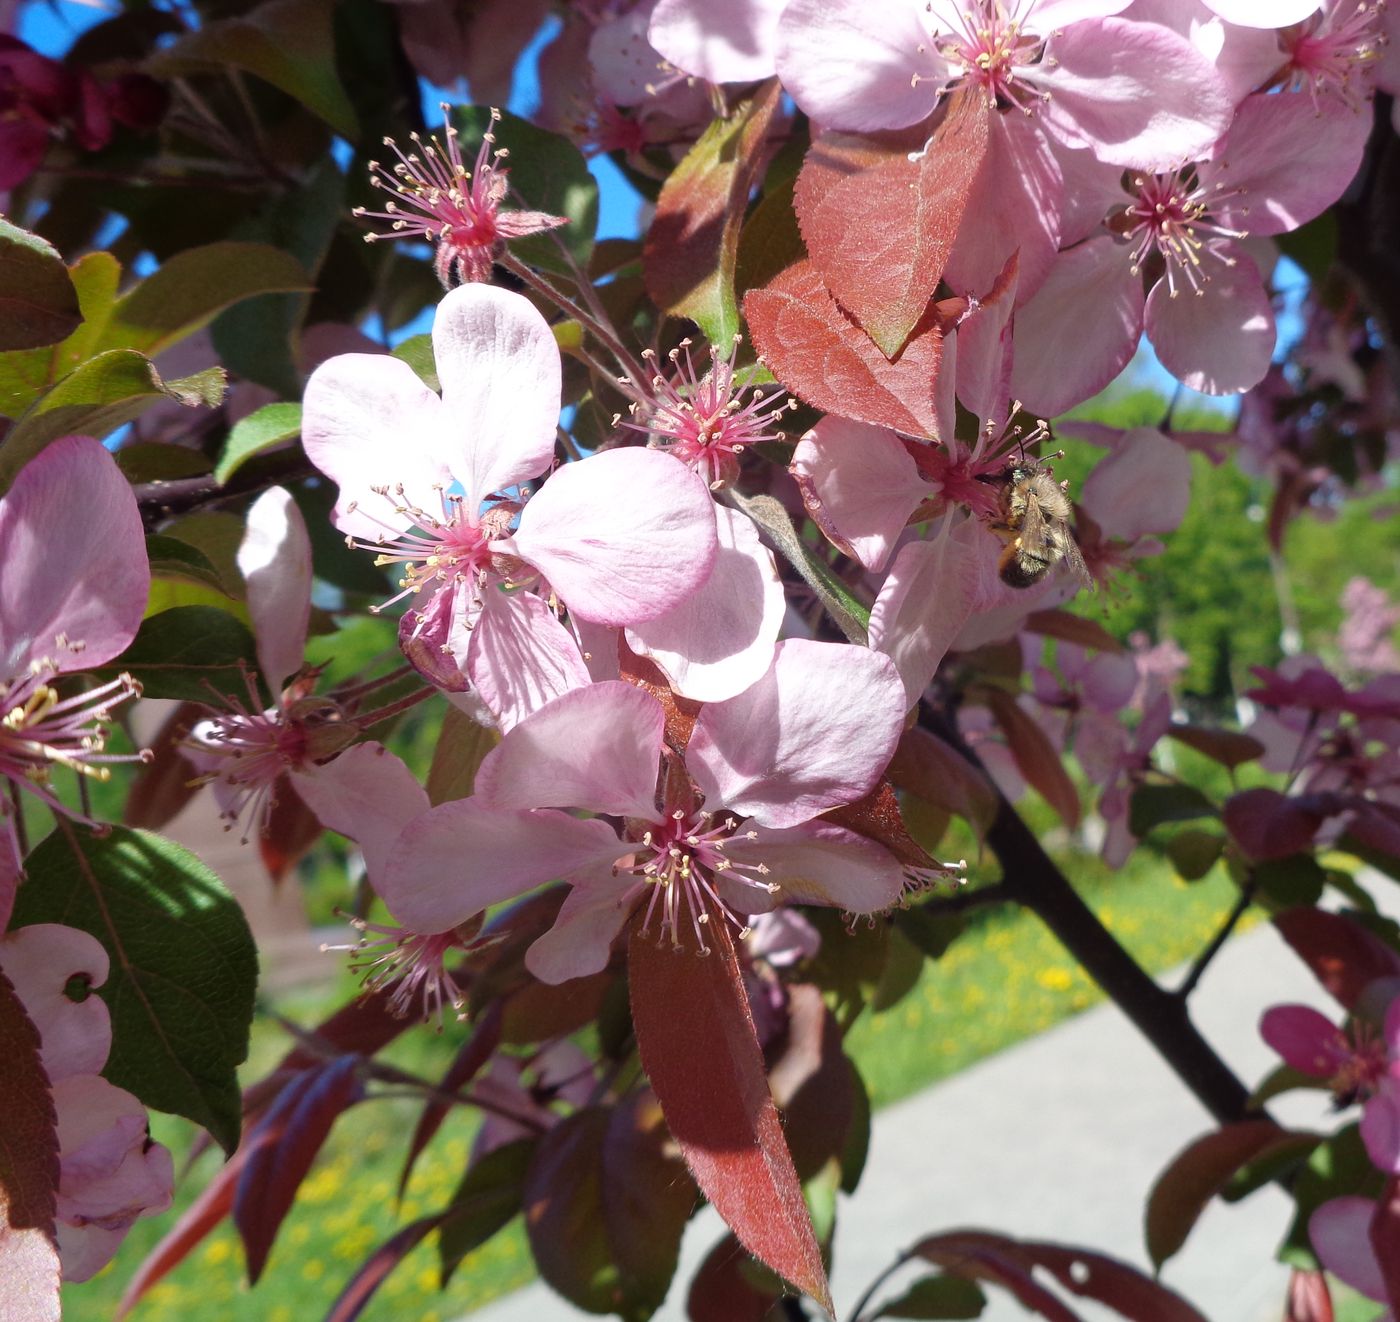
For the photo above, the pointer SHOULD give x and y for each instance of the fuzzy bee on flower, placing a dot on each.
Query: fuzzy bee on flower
(1034, 521)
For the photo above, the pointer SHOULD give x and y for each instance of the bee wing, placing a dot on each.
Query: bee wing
(1032, 528)
(1074, 558)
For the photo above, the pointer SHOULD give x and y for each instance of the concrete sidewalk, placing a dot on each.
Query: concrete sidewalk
(1058, 1138)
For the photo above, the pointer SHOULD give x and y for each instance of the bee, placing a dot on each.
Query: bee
(1034, 523)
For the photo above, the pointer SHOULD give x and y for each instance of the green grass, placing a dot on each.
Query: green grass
(1003, 980)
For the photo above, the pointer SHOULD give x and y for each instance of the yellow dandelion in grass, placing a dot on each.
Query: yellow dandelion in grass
(1055, 978)
(427, 1278)
(217, 1251)
(299, 1233)
(280, 1313)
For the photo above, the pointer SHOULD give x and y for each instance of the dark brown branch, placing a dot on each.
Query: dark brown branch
(1217, 942)
(158, 501)
(962, 901)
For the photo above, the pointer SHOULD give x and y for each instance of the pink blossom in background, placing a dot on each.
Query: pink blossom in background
(1116, 759)
(721, 41)
(434, 196)
(67, 603)
(1340, 1231)
(620, 538)
(110, 1172)
(814, 734)
(1368, 624)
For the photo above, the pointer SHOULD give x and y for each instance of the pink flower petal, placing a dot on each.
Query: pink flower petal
(275, 561)
(815, 863)
(1285, 160)
(366, 794)
(1380, 1127)
(854, 65)
(597, 748)
(815, 732)
(39, 961)
(1109, 682)
(580, 942)
(1219, 341)
(1142, 486)
(1136, 94)
(1048, 15)
(1264, 14)
(519, 656)
(721, 41)
(627, 68)
(977, 355)
(499, 367)
(1014, 207)
(1306, 1039)
(866, 482)
(462, 857)
(72, 561)
(926, 599)
(720, 639)
(367, 421)
(1080, 330)
(1340, 1231)
(622, 536)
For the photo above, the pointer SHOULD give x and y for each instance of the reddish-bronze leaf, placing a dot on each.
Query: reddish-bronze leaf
(470, 1058)
(605, 1207)
(691, 250)
(281, 1150)
(290, 830)
(351, 1301)
(824, 358)
(1072, 628)
(165, 784)
(1201, 1170)
(1309, 1299)
(938, 774)
(810, 1079)
(721, 1290)
(1385, 1240)
(877, 817)
(1343, 956)
(646, 674)
(1008, 1262)
(1269, 825)
(1228, 747)
(697, 1042)
(540, 1011)
(29, 1272)
(461, 748)
(198, 1220)
(1035, 755)
(879, 220)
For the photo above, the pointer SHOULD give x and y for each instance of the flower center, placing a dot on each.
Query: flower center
(988, 48)
(680, 858)
(412, 963)
(40, 730)
(1170, 217)
(1363, 1065)
(1326, 51)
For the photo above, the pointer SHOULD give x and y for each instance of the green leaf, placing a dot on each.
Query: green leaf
(184, 652)
(190, 289)
(288, 43)
(38, 304)
(184, 967)
(1151, 805)
(271, 426)
(937, 1296)
(154, 461)
(850, 615)
(692, 247)
(1193, 853)
(547, 173)
(486, 1200)
(417, 352)
(103, 394)
(171, 557)
(1297, 879)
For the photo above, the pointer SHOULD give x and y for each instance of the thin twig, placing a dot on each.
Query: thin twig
(880, 1279)
(963, 900)
(1193, 976)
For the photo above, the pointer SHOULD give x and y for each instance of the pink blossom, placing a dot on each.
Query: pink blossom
(619, 538)
(1263, 13)
(1170, 260)
(1340, 1231)
(434, 196)
(721, 41)
(1364, 638)
(110, 1172)
(727, 831)
(1359, 1065)
(519, 1097)
(67, 603)
(1103, 682)
(1116, 760)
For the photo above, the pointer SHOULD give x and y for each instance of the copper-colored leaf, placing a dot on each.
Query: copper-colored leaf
(692, 246)
(810, 1079)
(290, 830)
(722, 1291)
(541, 1011)
(645, 674)
(1269, 825)
(698, 1046)
(1200, 1171)
(824, 358)
(1343, 956)
(466, 1064)
(1008, 1262)
(877, 817)
(165, 784)
(351, 1301)
(1228, 747)
(1309, 1299)
(605, 1206)
(1037, 759)
(938, 774)
(879, 221)
(281, 1150)
(28, 1171)
(1072, 628)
